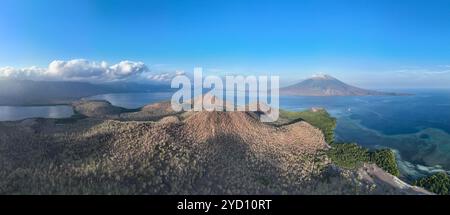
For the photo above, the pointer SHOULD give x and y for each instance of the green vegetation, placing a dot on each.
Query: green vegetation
(351, 156)
(346, 155)
(438, 183)
(385, 159)
(319, 118)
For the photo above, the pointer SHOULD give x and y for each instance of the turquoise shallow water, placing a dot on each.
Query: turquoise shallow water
(417, 127)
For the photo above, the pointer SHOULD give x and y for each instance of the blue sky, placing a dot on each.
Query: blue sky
(377, 43)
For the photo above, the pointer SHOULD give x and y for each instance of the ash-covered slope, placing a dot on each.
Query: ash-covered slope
(183, 153)
(325, 85)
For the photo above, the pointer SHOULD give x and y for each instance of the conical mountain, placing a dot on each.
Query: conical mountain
(326, 85)
(162, 151)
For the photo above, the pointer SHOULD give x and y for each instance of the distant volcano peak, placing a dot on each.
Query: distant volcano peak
(327, 85)
(322, 76)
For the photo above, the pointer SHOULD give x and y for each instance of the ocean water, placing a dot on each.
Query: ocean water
(13, 113)
(133, 100)
(416, 127)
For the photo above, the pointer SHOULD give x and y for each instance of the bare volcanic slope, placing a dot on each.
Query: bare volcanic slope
(195, 153)
(104, 110)
(325, 85)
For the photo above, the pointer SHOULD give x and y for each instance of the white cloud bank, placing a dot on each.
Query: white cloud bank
(84, 70)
